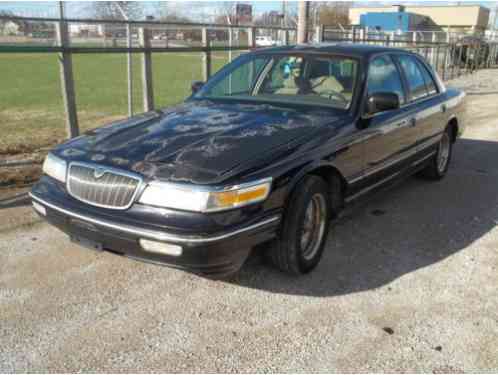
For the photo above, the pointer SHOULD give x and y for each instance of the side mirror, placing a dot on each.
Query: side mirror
(380, 102)
(196, 86)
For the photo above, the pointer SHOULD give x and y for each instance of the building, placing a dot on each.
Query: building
(82, 29)
(399, 22)
(456, 18)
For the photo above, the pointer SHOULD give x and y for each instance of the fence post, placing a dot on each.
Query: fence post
(67, 80)
(491, 56)
(286, 37)
(436, 64)
(206, 55)
(319, 34)
(230, 43)
(362, 35)
(477, 57)
(433, 40)
(460, 55)
(251, 37)
(414, 37)
(129, 58)
(488, 58)
(452, 60)
(444, 61)
(147, 87)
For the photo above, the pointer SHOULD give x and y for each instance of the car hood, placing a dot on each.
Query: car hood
(200, 141)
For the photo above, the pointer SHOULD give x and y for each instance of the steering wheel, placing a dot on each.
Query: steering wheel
(331, 93)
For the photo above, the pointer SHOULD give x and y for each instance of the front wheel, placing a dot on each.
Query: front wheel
(304, 230)
(440, 162)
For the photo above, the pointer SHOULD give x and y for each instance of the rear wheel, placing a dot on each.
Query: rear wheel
(304, 228)
(440, 162)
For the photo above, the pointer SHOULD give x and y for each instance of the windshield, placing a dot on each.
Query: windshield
(310, 80)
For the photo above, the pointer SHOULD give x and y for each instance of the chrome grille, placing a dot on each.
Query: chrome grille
(102, 186)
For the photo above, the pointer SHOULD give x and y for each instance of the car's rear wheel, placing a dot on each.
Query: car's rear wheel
(440, 162)
(304, 229)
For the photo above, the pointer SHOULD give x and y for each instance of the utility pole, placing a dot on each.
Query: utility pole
(302, 22)
(284, 14)
(495, 17)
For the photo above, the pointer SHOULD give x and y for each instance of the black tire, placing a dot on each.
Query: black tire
(440, 162)
(287, 252)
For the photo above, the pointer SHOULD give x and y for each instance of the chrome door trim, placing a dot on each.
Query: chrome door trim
(404, 156)
(388, 178)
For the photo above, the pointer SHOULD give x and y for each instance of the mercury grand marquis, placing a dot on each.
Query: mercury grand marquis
(268, 151)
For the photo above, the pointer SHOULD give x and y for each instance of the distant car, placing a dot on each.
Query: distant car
(264, 41)
(470, 51)
(159, 37)
(268, 151)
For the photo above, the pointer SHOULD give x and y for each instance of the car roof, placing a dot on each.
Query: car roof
(342, 48)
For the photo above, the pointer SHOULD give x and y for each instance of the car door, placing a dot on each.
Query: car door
(424, 103)
(389, 136)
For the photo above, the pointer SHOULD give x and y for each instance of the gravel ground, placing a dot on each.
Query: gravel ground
(408, 282)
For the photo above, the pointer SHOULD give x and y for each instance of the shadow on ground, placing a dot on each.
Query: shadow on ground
(414, 224)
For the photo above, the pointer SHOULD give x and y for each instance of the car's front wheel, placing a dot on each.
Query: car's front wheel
(304, 230)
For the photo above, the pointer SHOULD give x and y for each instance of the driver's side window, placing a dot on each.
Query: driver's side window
(332, 77)
(383, 76)
(284, 76)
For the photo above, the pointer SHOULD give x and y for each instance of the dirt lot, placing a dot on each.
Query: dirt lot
(408, 283)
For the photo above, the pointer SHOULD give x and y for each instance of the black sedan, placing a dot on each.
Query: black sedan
(269, 150)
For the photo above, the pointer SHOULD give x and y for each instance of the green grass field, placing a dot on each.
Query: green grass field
(31, 107)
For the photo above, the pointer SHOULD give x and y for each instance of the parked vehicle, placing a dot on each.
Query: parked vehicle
(269, 150)
(265, 41)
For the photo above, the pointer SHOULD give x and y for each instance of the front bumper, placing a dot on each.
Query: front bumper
(218, 254)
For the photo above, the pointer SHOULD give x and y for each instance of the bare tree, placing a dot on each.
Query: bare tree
(225, 12)
(333, 13)
(117, 10)
(4, 13)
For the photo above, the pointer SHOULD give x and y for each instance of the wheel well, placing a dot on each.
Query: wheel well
(332, 176)
(453, 125)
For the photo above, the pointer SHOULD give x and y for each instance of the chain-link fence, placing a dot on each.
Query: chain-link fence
(450, 54)
(105, 70)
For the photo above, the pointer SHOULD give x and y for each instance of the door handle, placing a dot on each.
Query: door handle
(411, 122)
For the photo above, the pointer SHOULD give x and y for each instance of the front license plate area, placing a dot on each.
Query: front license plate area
(88, 243)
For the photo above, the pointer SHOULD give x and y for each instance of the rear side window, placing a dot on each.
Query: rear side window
(383, 76)
(429, 81)
(414, 77)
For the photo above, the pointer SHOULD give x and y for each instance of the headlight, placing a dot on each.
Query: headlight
(55, 167)
(183, 197)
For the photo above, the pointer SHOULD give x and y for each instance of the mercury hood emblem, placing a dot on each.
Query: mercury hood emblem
(98, 172)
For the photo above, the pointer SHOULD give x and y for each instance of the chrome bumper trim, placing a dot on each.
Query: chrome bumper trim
(152, 234)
